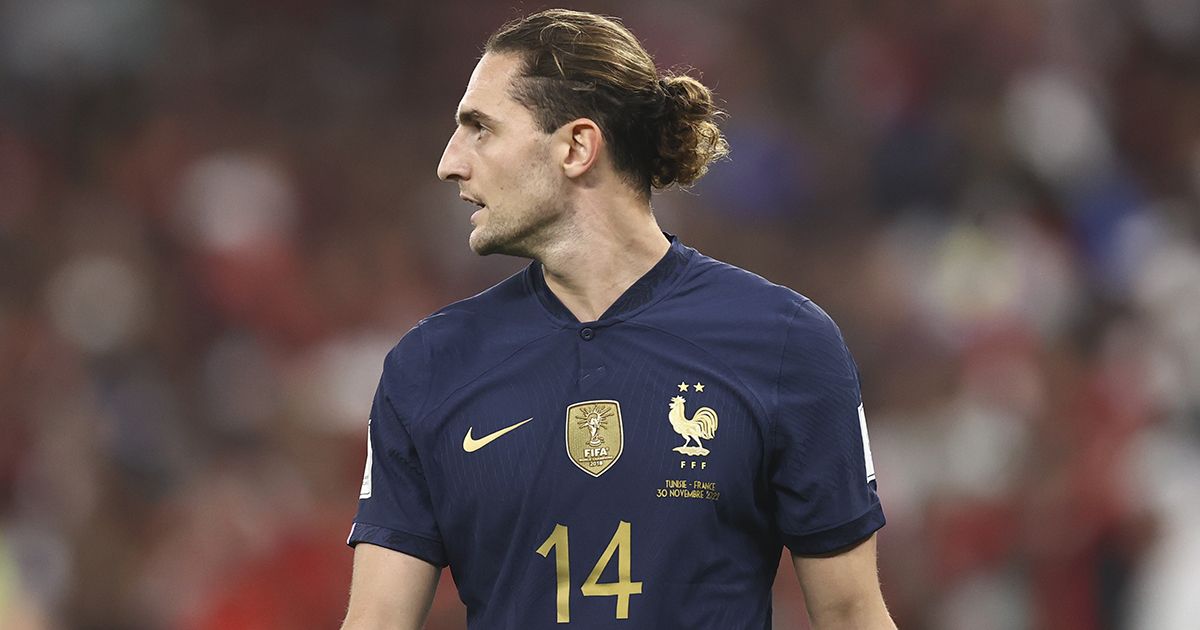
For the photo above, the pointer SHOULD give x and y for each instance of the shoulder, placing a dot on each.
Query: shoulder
(496, 302)
(744, 297)
(784, 334)
(502, 313)
(458, 342)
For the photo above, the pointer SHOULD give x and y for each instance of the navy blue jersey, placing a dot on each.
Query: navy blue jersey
(639, 471)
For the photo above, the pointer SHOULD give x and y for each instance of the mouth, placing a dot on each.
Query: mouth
(470, 199)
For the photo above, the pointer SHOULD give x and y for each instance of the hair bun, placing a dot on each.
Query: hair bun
(668, 86)
(688, 136)
(660, 128)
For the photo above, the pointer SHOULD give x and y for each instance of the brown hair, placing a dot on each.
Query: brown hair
(661, 130)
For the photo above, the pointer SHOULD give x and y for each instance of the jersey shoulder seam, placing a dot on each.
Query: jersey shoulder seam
(426, 359)
(772, 419)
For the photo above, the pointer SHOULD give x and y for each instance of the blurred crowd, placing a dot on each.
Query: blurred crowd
(217, 216)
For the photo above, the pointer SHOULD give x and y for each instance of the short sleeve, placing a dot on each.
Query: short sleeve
(394, 508)
(821, 475)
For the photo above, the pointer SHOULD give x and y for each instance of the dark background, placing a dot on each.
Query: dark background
(217, 216)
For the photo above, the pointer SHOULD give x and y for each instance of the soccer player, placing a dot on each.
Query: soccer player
(626, 433)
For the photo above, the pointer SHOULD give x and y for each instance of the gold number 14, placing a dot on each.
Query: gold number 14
(621, 589)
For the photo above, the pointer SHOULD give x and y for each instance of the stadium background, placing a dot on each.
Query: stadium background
(216, 217)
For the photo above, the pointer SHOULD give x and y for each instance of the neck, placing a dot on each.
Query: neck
(605, 251)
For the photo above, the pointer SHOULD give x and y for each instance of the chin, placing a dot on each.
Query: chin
(483, 244)
(482, 249)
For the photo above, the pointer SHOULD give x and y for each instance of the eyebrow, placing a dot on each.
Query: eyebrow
(470, 116)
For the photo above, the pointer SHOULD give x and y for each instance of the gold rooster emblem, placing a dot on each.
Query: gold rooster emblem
(702, 425)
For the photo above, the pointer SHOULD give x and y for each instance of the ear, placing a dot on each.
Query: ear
(583, 143)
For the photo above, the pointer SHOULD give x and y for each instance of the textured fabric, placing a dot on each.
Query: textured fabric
(666, 451)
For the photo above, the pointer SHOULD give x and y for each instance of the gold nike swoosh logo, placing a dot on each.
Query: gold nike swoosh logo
(471, 444)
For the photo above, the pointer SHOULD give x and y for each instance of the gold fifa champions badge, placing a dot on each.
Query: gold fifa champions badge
(595, 437)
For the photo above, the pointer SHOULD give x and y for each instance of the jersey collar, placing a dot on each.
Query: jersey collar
(653, 285)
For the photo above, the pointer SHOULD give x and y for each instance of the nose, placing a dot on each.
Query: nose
(453, 166)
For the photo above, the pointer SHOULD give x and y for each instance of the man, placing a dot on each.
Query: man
(627, 432)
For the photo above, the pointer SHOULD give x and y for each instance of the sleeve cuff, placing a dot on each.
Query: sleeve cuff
(430, 551)
(838, 537)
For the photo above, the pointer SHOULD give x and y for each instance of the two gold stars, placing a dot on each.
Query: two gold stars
(683, 387)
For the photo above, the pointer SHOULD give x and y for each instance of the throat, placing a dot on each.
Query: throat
(591, 286)
(585, 306)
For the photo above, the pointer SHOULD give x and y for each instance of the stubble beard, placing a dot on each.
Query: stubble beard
(527, 230)
(525, 236)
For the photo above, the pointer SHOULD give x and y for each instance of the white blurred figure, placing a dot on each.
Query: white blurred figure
(1165, 272)
(1165, 469)
(100, 303)
(236, 202)
(1057, 127)
(330, 383)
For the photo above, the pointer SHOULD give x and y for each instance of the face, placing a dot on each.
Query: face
(503, 163)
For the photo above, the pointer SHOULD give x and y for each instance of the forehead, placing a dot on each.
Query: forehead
(487, 90)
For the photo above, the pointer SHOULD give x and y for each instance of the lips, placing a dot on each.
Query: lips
(470, 199)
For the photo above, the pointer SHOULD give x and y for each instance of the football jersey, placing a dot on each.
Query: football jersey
(642, 470)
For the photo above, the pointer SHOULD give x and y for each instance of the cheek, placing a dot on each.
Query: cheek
(542, 171)
(526, 170)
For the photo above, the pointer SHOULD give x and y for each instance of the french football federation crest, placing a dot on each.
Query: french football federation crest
(595, 437)
(702, 424)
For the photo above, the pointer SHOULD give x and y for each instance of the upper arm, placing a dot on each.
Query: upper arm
(398, 550)
(820, 470)
(396, 506)
(389, 589)
(841, 590)
(822, 477)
